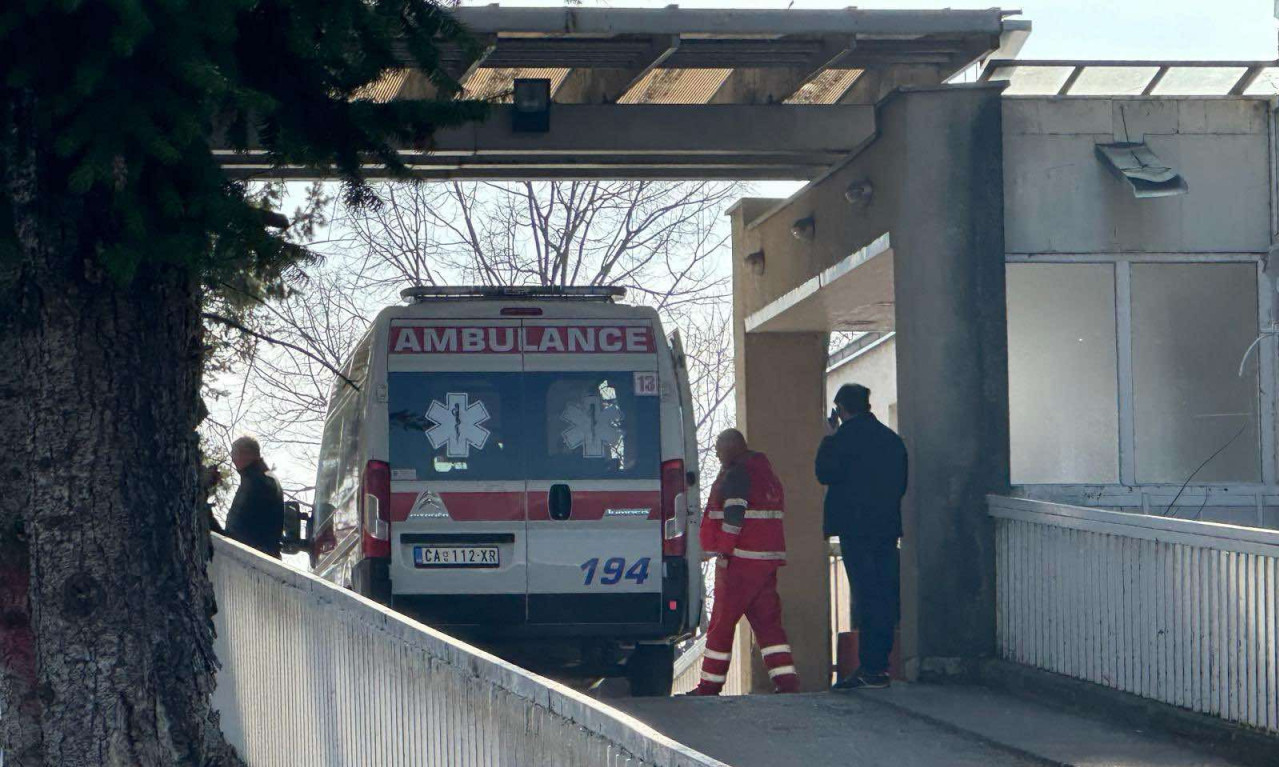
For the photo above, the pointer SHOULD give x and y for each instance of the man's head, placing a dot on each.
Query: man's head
(729, 445)
(852, 400)
(245, 451)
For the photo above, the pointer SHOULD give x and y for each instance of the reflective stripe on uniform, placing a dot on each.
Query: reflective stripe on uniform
(715, 655)
(779, 671)
(721, 678)
(775, 649)
(744, 554)
(735, 502)
(750, 514)
(731, 529)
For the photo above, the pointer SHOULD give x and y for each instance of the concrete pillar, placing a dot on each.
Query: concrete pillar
(952, 373)
(780, 390)
(783, 391)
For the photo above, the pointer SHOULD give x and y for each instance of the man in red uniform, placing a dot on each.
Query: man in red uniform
(743, 525)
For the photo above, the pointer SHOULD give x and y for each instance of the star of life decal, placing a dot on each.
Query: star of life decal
(459, 423)
(592, 426)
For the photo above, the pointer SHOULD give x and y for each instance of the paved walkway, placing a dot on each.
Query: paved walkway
(906, 726)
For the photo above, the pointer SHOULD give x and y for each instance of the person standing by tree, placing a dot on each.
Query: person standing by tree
(863, 464)
(743, 524)
(256, 517)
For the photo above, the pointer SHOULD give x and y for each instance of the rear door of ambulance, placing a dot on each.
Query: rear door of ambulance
(592, 395)
(455, 404)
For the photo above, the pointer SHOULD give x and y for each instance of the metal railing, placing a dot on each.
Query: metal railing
(314, 674)
(1182, 612)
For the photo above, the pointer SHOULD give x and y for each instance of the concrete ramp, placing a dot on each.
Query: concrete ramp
(905, 726)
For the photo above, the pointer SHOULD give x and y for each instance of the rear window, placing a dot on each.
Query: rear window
(513, 426)
(458, 426)
(592, 426)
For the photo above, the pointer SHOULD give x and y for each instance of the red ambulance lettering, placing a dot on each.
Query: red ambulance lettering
(439, 340)
(508, 339)
(407, 341)
(581, 340)
(614, 345)
(574, 339)
(473, 339)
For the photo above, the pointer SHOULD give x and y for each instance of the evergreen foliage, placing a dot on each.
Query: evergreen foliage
(117, 106)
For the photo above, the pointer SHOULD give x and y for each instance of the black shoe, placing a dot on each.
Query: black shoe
(863, 681)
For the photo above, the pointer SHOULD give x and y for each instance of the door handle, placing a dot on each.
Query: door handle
(559, 500)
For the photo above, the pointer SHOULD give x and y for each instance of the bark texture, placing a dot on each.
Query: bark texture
(106, 637)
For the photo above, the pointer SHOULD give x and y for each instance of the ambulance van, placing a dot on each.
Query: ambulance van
(519, 467)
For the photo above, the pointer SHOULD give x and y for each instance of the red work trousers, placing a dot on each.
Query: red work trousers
(747, 588)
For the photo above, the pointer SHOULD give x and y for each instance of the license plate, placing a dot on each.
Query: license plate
(456, 556)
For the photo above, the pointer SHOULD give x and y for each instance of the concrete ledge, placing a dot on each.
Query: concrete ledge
(1203, 732)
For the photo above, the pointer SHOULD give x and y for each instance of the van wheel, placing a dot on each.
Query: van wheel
(651, 670)
(372, 578)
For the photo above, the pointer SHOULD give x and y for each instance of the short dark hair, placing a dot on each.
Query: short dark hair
(249, 445)
(854, 398)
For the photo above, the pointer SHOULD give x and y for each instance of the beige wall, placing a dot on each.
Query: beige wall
(1059, 198)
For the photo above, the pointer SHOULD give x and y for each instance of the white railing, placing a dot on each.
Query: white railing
(313, 674)
(1182, 612)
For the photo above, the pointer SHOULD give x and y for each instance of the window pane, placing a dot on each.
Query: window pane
(1033, 81)
(595, 427)
(1062, 373)
(461, 426)
(1113, 81)
(1199, 81)
(1191, 326)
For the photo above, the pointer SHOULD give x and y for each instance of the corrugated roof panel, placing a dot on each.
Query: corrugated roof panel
(496, 83)
(385, 88)
(676, 86)
(1032, 81)
(1199, 81)
(1266, 84)
(1113, 81)
(826, 88)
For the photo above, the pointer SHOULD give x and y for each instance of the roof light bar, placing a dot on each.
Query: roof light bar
(488, 292)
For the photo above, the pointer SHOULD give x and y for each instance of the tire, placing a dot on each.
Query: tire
(651, 670)
(372, 578)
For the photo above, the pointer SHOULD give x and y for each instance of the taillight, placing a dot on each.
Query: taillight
(375, 513)
(674, 517)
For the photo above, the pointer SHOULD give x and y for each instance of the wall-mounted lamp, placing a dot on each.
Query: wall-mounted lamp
(755, 261)
(804, 229)
(532, 113)
(859, 193)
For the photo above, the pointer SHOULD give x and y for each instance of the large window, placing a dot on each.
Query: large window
(1125, 372)
(1191, 324)
(1062, 373)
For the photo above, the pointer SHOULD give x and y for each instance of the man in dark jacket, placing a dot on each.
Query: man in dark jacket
(257, 512)
(863, 465)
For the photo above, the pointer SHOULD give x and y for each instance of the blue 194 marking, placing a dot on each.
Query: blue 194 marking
(615, 570)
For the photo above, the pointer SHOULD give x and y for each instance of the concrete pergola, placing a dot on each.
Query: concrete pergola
(799, 94)
(676, 94)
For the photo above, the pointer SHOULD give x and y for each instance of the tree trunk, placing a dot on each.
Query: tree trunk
(99, 496)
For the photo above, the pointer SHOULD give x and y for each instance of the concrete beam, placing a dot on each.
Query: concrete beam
(643, 141)
(727, 22)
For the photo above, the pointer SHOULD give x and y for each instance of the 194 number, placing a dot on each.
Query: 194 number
(615, 571)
